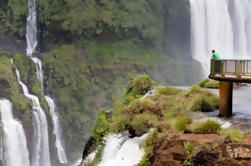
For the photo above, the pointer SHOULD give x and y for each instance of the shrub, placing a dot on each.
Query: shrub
(182, 122)
(207, 127)
(207, 83)
(168, 91)
(101, 125)
(202, 104)
(140, 85)
(193, 89)
(233, 134)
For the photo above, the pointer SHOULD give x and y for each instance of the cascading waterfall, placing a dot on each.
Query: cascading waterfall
(56, 130)
(122, 151)
(39, 70)
(41, 156)
(31, 28)
(31, 39)
(221, 25)
(15, 145)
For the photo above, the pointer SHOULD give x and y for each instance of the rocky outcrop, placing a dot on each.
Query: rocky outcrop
(137, 131)
(239, 151)
(88, 146)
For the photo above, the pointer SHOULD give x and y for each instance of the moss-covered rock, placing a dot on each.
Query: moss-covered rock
(9, 88)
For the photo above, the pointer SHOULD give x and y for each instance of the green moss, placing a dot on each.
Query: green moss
(140, 85)
(201, 100)
(168, 90)
(182, 122)
(9, 87)
(148, 147)
(98, 156)
(207, 127)
(101, 126)
(233, 134)
(208, 83)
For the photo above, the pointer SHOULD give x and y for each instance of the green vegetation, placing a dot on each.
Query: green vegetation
(148, 147)
(188, 147)
(9, 88)
(90, 49)
(157, 111)
(207, 127)
(140, 85)
(208, 83)
(233, 134)
(182, 122)
(206, 102)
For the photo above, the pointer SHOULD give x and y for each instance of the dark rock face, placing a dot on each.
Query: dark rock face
(88, 146)
(205, 158)
(137, 131)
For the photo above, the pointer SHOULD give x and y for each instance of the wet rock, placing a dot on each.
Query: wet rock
(137, 131)
(88, 146)
(108, 114)
(239, 151)
(4, 84)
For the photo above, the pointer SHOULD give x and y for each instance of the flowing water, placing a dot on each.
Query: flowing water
(31, 28)
(39, 70)
(122, 151)
(31, 39)
(56, 130)
(16, 153)
(221, 25)
(41, 153)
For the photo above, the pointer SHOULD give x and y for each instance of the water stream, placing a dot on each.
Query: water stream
(122, 151)
(31, 39)
(41, 153)
(56, 130)
(16, 152)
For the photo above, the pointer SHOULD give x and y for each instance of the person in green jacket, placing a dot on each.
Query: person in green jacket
(215, 55)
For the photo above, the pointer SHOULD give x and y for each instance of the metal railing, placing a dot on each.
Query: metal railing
(236, 68)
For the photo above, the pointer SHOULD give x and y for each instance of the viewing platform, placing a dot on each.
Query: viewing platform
(228, 71)
(231, 70)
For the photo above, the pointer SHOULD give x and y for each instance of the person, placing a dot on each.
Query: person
(215, 55)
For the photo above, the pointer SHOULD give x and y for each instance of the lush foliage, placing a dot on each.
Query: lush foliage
(207, 83)
(207, 127)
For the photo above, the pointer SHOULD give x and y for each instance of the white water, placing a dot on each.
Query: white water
(149, 93)
(31, 28)
(221, 25)
(56, 130)
(39, 70)
(128, 154)
(41, 154)
(31, 39)
(15, 144)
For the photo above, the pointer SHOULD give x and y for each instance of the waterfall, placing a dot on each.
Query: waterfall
(31, 28)
(56, 130)
(41, 154)
(221, 25)
(122, 151)
(15, 144)
(31, 39)
(39, 70)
